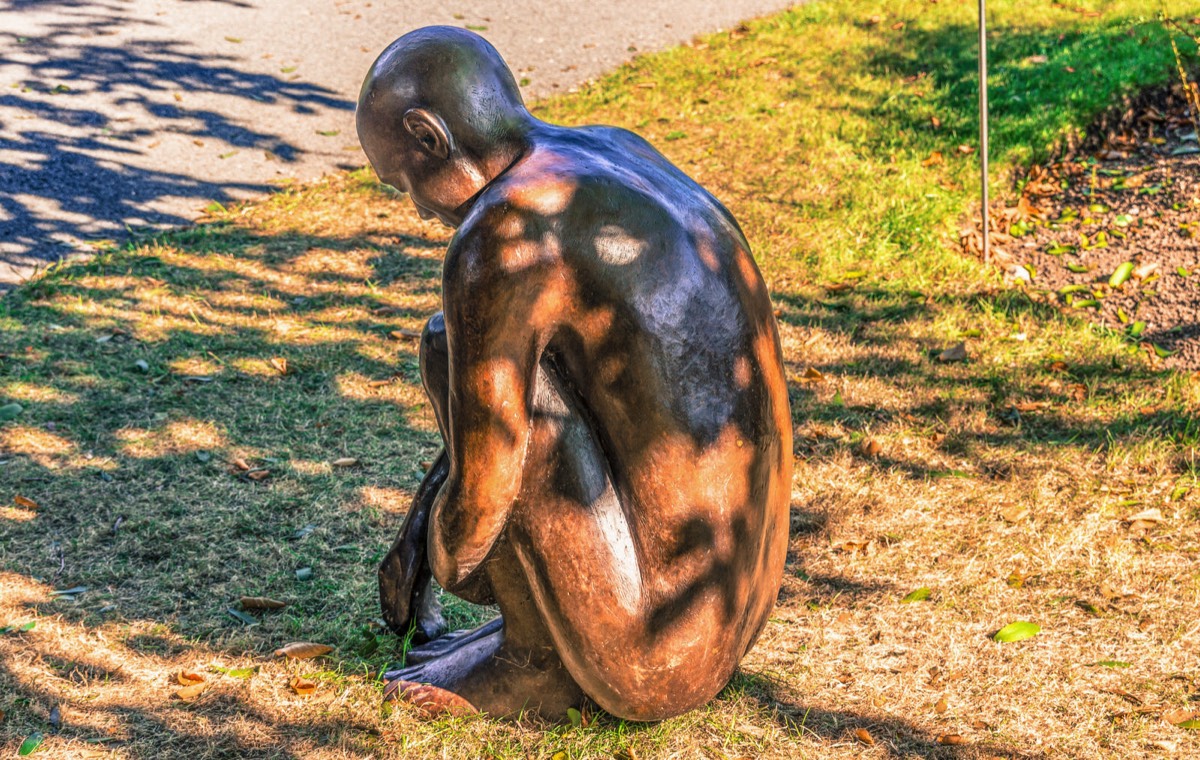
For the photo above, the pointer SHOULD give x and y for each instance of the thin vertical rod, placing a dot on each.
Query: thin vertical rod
(983, 125)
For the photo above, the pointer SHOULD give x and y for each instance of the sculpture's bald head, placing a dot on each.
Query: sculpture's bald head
(439, 116)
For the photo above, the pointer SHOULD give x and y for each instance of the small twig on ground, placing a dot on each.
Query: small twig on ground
(1189, 88)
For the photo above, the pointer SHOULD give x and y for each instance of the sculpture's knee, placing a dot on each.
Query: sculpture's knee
(434, 355)
(433, 339)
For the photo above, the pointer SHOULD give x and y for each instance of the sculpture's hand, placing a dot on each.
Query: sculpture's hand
(406, 594)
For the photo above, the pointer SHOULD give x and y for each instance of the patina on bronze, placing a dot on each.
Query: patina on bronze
(607, 379)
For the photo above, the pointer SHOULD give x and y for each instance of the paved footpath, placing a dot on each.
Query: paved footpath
(123, 114)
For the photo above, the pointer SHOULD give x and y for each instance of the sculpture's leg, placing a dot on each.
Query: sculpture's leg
(506, 667)
(509, 666)
(647, 618)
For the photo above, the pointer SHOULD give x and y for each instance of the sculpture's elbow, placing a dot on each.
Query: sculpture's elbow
(455, 553)
(453, 571)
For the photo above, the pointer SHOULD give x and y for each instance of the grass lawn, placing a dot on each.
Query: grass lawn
(185, 401)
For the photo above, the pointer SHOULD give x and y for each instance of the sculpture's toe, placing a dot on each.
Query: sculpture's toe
(432, 701)
(430, 625)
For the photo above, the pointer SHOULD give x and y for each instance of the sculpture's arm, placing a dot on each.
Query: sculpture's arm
(495, 322)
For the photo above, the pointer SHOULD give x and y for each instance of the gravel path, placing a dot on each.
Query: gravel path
(135, 113)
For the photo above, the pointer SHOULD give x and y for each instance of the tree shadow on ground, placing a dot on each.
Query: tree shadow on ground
(1040, 77)
(141, 498)
(89, 177)
(1048, 389)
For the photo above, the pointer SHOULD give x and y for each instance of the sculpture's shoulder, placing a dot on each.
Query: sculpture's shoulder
(574, 184)
(574, 165)
(656, 182)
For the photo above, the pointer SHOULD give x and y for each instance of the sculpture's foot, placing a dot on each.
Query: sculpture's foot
(479, 671)
(445, 643)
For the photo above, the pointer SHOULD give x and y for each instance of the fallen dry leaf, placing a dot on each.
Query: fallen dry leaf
(811, 375)
(189, 693)
(941, 706)
(303, 686)
(303, 650)
(1145, 519)
(261, 603)
(853, 547)
(344, 462)
(241, 464)
(955, 353)
(966, 150)
(979, 725)
(279, 364)
(1177, 716)
(1025, 208)
(871, 447)
(1031, 406)
(1122, 694)
(864, 736)
(188, 679)
(1014, 513)
(951, 739)
(1145, 269)
(935, 159)
(380, 383)
(21, 501)
(258, 474)
(405, 334)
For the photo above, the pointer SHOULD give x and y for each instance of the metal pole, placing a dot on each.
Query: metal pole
(983, 125)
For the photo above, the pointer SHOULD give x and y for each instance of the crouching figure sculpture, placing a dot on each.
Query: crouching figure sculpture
(607, 379)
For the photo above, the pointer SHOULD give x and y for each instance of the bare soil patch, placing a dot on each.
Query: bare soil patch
(1114, 229)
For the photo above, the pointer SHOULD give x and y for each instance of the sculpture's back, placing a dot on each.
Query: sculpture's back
(653, 520)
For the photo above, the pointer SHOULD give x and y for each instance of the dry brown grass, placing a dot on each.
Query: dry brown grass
(910, 473)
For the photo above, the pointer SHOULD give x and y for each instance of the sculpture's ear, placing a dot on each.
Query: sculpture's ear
(430, 131)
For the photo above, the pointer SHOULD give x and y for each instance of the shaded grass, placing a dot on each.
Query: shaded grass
(813, 126)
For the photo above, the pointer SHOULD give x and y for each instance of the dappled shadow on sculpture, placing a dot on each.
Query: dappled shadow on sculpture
(91, 176)
(609, 385)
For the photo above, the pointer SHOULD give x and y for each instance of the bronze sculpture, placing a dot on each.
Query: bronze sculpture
(608, 383)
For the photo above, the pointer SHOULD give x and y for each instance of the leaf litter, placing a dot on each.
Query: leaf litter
(1113, 227)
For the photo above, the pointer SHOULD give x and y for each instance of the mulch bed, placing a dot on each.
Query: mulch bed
(1112, 230)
